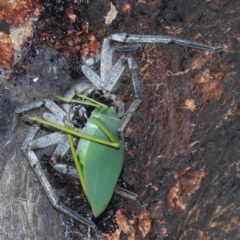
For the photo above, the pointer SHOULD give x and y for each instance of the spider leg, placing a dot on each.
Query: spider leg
(53, 118)
(114, 73)
(53, 107)
(111, 74)
(128, 194)
(54, 138)
(119, 103)
(106, 59)
(89, 73)
(91, 76)
(111, 79)
(60, 151)
(100, 84)
(57, 155)
(27, 148)
(132, 38)
(133, 67)
(127, 48)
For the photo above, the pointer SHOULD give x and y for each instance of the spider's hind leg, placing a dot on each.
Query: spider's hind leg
(27, 148)
(128, 194)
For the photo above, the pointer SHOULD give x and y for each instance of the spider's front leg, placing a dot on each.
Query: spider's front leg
(133, 38)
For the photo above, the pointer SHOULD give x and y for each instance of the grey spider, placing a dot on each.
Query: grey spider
(106, 82)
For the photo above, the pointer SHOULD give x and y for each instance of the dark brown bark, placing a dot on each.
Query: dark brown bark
(185, 134)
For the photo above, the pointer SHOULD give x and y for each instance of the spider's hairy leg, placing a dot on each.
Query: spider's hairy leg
(105, 67)
(133, 38)
(53, 107)
(130, 195)
(106, 59)
(131, 48)
(96, 80)
(60, 151)
(35, 164)
(114, 73)
(56, 116)
(119, 103)
(92, 76)
(133, 67)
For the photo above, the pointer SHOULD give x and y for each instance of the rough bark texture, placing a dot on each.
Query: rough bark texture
(183, 153)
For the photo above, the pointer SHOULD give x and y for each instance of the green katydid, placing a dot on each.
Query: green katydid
(99, 155)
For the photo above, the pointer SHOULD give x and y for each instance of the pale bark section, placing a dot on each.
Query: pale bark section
(25, 211)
